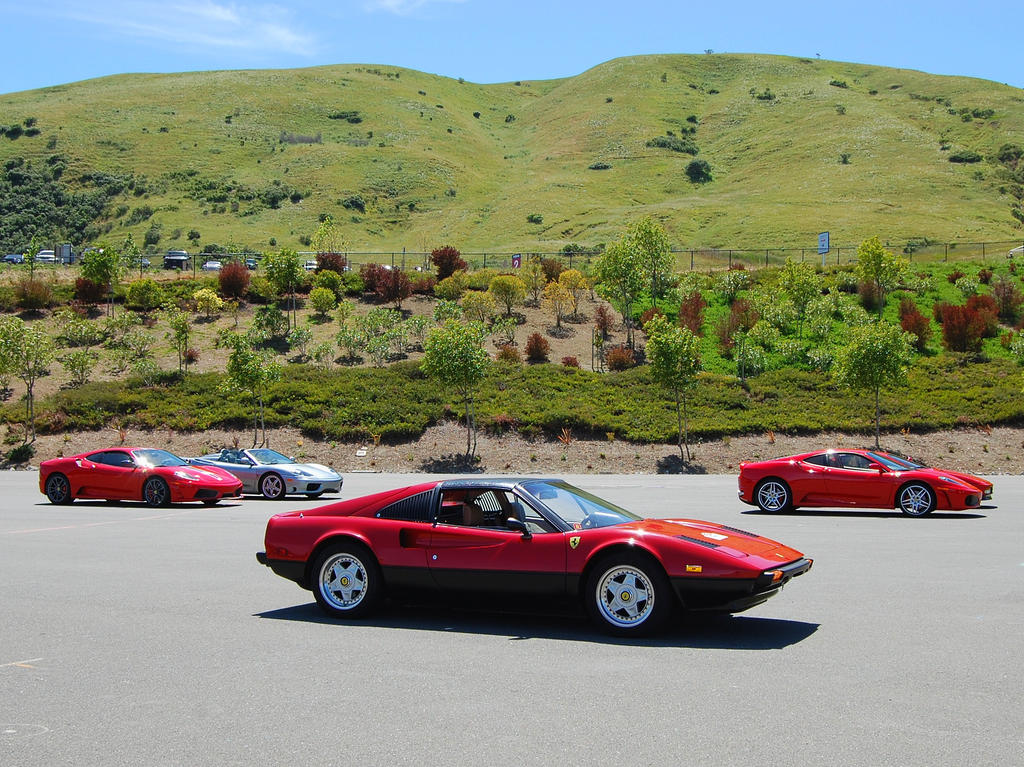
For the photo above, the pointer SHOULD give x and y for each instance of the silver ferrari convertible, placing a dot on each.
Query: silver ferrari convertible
(273, 475)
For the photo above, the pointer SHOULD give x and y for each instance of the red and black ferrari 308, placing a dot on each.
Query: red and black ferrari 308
(540, 538)
(154, 476)
(867, 478)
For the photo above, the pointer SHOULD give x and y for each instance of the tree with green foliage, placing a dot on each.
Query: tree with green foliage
(105, 266)
(27, 350)
(285, 271)
(79, 364)
(879, 268)
(558, 301)
(654, 251)
(674, 355)
(507, 290)
(621, 279)
(144, 295)
(251, 371)
(180, 329)
(323, 301)
(534, 277)
(876, 355)
(802, 284)
(453, 353)
(208, 302)
(328, 238)
(478, 305)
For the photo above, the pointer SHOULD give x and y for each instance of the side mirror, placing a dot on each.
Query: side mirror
(513, 523)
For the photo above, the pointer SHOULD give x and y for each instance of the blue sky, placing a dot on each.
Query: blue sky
(59, 41)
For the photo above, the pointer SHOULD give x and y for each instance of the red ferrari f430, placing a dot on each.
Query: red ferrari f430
(542, 539)
(864, 478)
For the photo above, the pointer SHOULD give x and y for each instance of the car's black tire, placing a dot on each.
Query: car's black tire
(628, 594)
(773, 494)
(272, 486)
(915, 499)
(155, 492)
(58, 489)
(346, 580)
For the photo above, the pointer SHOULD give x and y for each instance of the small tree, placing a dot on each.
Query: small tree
(654, 253)
(328, 241)
(447, 260)
(877, 355)
(299, 338)
(144, 295)
(674, 354)
(394, 287)
(478, 305)
(180, 329)
(454, 354)
(534, 278)
(105, 266)
(323, 301)
(251, 372)
(285, 272)
(208, 302)
(233, 280)
(621, 276)
(879, 268)
(28, 350)
(576, 283)
(558, 301)
(801, 283)
(79, 364)
(508, 291)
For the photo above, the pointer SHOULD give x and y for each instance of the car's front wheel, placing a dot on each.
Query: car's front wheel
(916, 499)
(629, 595)
(773, 495)
(155, 492)
(347, 581)
(272, 486)
(58, 489)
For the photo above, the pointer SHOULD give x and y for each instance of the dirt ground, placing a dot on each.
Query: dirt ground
(442, 449)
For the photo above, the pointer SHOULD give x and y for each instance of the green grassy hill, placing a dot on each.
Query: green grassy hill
(405, 159)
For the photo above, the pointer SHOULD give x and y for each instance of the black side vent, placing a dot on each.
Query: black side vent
(698, 541)
(415, 508)
(737, 530)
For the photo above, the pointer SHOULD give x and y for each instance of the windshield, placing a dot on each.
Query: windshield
(894, 463)
(266, 456)
(154, 458)
(577, 508)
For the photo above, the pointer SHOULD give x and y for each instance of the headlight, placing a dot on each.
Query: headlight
(188, 475)
(303, 474)
(952, 481)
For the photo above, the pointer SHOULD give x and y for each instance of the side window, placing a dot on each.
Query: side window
(110, 458)
(535, 523)
(854, 461)
(415, 508)
(818, 460)
(489, 509)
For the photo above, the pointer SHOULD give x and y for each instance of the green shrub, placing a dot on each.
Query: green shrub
(698, 171)
(675, 143)
(965, 156)
(323, 300)
(144, 295)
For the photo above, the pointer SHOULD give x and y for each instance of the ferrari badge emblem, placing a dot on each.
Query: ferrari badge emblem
(574, 541)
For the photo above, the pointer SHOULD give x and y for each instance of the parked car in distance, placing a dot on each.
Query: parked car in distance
(142, 263)
(45, 257)
(176, 259)
(272, 474)
(151, 475)
(542, 539)
(14, 258)
(212, 266)
(871, 479)
(310, 265)
(251, 264)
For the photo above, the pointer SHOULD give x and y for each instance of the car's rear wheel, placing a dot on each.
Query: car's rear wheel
(272, 486)
(629, 595)
(58, 489)
(773, 494)
(916, 499)
(347, 581)
(155, 492)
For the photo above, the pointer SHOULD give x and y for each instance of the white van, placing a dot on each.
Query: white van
(45, 257)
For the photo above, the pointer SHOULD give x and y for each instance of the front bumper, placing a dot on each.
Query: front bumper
(733, 595)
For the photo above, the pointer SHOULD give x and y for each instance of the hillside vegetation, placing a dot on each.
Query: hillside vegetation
(403, 159)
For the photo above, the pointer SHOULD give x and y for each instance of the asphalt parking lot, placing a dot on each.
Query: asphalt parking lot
(134, 636)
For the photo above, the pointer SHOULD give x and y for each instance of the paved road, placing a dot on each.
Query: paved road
(137, 637)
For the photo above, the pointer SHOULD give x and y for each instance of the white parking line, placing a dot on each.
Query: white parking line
(21, 663)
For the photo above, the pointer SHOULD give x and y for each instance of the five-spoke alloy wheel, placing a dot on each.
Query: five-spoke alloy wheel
(272, 486)
(772, 495)
(347, 581)
(628, 595)
(916, 499)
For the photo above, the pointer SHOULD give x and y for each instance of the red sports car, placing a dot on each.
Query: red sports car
(134, 474)
(868, 478)
(542, 538)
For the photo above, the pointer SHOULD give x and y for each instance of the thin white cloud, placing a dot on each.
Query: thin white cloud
(224, 25)
(402, 7)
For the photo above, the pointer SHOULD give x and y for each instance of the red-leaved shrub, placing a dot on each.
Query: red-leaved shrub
(1008, 298)
(570, 362)
(394, 287)
(603, 320)
(537, 348)
(619, 358)
(985, 307)
(448, 261)
(509, 353)
(372, 276)
(89, 292)
(691, 312)
(962, 329)
(233, 280)
(912, 321)
(330, 261)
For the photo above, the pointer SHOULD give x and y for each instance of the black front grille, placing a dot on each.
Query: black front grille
(206, 493)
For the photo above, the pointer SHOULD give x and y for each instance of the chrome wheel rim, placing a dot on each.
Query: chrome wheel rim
(272, 486)
(772, 496)
(156, 492)
(343, 581)
(57, 489)
(915, 500)
(625, 596)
